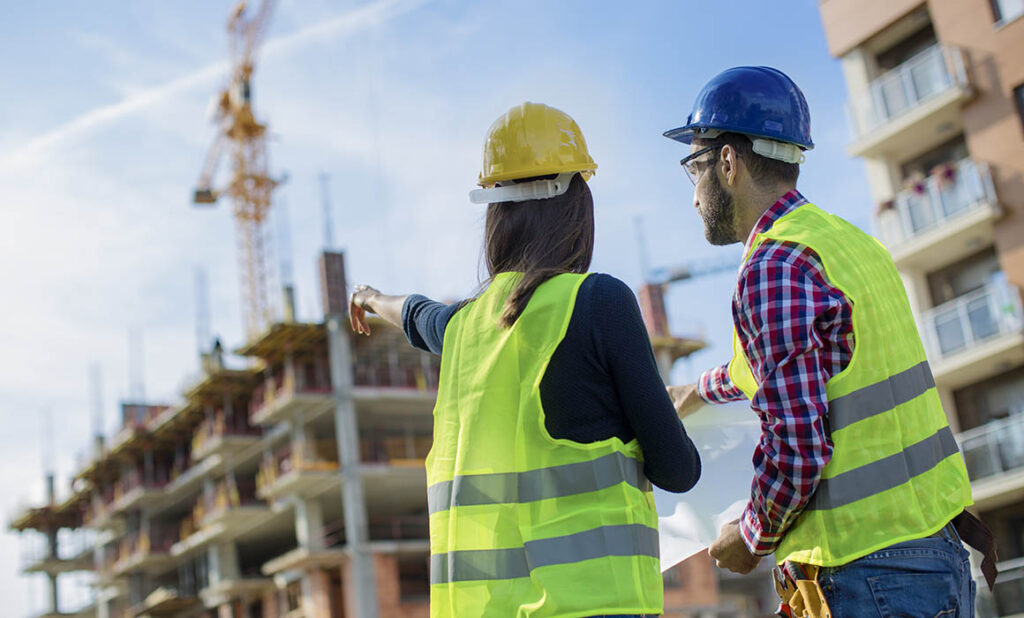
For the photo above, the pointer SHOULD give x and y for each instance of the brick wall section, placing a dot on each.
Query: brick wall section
(992, 124)
(270, 605)
(652, 306)
(699, 585)
(320, 595)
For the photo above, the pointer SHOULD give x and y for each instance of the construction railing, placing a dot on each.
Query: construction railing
(95, 512)
(899, 90)
(297, 456)
(303, 376)
(395, 449)
(227, 495)
(216, 427)
(405, 528)
(973, 319)
(994, 448)
(411, 528)
(928, 203)
(138, 544)
(1007, 599)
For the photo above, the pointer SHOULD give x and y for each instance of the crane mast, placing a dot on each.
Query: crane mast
(250, 185)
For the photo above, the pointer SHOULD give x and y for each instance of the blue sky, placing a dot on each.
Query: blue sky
(104, 125)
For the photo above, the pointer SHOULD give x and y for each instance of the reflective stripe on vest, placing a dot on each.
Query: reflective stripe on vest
(491, 564)
(540, 484)
(880, 397)
(895, 472)
(884, 474)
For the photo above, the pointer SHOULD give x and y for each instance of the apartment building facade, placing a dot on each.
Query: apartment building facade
(936, 109)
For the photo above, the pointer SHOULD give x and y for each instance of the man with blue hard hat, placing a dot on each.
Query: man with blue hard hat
(859, 488)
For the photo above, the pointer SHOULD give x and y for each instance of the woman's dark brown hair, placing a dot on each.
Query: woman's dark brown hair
(541, 239)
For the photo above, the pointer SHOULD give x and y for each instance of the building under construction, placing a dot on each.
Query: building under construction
(292, 485)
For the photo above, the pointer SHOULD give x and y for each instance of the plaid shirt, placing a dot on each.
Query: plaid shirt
(797, 332)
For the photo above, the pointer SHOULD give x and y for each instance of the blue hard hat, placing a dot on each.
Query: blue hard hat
(755, 101)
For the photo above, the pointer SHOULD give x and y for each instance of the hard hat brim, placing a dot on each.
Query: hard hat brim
(685, 134)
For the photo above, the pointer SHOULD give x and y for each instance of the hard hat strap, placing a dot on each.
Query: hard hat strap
(524, 191)
(781, 151)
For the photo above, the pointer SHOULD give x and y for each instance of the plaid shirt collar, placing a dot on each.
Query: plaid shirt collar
(783, 206)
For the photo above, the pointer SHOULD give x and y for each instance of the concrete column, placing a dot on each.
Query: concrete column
(309, 524)
(361, 585)
(949, 406)
(223, 563)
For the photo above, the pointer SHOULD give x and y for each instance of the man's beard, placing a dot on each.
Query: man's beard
(719, 213)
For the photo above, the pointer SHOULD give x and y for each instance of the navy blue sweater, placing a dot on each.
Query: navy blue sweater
(602, 380)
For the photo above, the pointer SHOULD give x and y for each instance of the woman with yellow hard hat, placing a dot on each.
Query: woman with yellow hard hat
(551, 415)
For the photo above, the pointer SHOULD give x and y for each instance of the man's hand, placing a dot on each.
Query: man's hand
(730, 552)
(686, 399)
(358, 304)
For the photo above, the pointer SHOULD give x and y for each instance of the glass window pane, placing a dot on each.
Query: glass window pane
(950, 333)
(983, 323)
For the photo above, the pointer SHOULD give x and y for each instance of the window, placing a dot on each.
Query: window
(1007, 10)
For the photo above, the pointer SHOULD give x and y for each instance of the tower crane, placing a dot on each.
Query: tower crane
(250, 185)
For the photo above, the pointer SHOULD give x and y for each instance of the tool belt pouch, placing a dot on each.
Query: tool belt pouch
(801, 598)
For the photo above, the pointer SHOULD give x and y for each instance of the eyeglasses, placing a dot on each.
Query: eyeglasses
(690, 165)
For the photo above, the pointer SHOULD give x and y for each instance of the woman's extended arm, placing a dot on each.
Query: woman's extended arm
(366, 298)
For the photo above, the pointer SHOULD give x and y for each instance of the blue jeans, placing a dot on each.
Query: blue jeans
(929, 577)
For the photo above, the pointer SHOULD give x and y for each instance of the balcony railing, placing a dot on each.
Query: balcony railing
(929, 73)
(212, 429)
(1007, 599)
(973, 319)
(994, 448)
(390, 449)
(318, 455)
(947, 193)
(225, 497)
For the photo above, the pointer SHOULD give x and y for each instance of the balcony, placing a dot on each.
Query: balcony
(1007, 599)
(166, 601)
(131, 491)
(287, 393)
(231, 510)
(140, 552)
(302, 468)
(911, 107)
(74, 553)
(994, 454)
(975, 336)
(215, 436)
(941, 219)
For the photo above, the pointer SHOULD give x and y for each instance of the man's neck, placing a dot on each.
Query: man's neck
(755, 208)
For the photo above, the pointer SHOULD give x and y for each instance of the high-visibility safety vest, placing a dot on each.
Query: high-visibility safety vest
(523, 524)
(895, 473)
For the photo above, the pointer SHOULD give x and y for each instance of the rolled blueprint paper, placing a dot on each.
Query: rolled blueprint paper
(725, 436)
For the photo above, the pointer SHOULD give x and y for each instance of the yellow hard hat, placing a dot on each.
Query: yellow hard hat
(533, 139)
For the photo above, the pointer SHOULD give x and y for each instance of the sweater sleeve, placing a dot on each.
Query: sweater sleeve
(424, 322)
(623, 346)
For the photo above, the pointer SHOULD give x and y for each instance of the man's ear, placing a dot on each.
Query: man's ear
(730, 164)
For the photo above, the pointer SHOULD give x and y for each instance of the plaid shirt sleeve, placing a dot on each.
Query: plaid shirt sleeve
(788, 317)
(714, 386)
